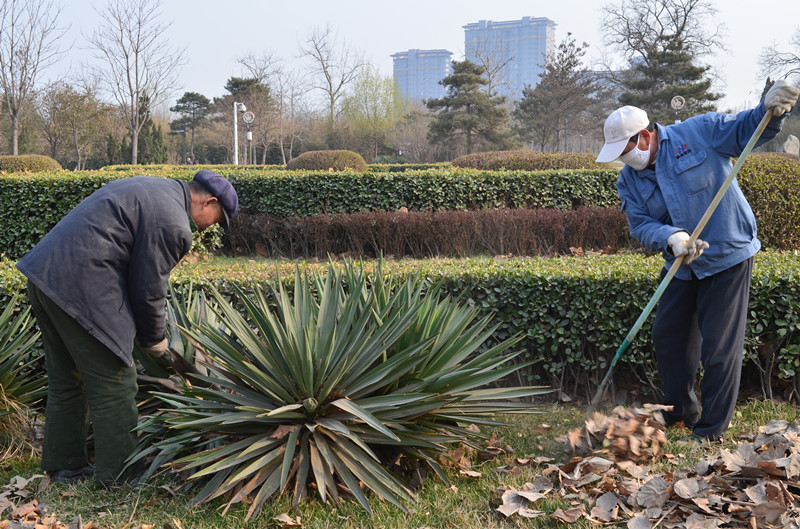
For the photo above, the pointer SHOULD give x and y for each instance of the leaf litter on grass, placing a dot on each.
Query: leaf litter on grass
(607, 481)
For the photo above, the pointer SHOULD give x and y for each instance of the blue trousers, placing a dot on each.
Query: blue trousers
(703, 321)
(86, 380)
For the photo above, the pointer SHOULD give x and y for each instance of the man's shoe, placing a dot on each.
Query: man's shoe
(695, 439)
(72, 475)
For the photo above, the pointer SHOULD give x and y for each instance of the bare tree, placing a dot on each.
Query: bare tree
(781, 63)
(139, 63)
(29, 43)
(334, 65)
(289, 89)
(633, 27)
(494, 58)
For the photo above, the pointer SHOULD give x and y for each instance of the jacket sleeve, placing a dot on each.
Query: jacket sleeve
(650, 231)
(730, 133)
(156, 252)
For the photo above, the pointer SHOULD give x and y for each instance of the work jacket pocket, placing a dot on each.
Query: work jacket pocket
(690, 174)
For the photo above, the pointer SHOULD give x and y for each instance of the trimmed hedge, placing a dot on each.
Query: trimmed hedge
(134, 170)
(771, 183)
(421, 234)
(572, 311)
(328, 161)
(402, 167)
(528, 161)
(297, 194)
(28, 163)
(31, 206)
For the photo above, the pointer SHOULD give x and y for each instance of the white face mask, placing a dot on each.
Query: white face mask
(637, 159)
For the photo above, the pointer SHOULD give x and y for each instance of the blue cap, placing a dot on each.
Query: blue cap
(224, 192)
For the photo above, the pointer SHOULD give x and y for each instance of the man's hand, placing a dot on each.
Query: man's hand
(781, 97)
(679, 244)
(157, 350)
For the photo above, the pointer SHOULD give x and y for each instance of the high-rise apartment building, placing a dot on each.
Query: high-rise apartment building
(418, 72)
(521, 45)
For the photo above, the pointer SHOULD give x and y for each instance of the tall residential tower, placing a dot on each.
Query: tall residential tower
(519, 46)
(418, 72)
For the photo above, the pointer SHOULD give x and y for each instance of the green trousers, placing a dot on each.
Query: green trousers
(86, 380)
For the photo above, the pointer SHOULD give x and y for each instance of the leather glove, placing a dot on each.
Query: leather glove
(678, 243)
(781, 97)
(157, 350)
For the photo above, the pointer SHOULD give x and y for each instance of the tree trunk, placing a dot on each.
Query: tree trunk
(134, 146)
(14, 134)
(77, 149)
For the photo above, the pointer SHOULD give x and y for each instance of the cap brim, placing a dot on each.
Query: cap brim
(224, 221)
(611, 151)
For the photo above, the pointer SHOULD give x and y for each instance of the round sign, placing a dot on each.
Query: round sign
(248, 117)
(677, 103)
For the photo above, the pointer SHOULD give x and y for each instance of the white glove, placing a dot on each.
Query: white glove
(781, 97)
(157, 350)
(678, 243)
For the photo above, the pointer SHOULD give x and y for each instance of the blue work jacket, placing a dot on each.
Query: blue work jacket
(693, 161)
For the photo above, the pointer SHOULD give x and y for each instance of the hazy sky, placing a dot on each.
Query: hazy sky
(217, 33)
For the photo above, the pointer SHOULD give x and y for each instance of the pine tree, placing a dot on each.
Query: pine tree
(666, 72)
(559, 101)
(467, 113)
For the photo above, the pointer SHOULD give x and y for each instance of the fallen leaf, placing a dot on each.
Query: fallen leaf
(287, 521)
(640, 521)
(282, 431)
(569, 516)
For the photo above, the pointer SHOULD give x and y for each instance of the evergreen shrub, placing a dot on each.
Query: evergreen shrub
(28, 163)
(527, 161)
(771, 183)
(340, 160)
(573, 312)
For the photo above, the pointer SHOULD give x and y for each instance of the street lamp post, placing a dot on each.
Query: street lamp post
(237, 107)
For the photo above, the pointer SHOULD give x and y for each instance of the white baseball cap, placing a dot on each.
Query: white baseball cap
(620, 125)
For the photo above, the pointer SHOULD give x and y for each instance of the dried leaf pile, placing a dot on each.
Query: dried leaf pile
(756, 485)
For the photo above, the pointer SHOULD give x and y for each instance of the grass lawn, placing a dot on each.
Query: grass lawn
(466, 503)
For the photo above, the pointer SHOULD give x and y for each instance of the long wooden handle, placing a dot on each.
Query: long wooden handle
(678, 260)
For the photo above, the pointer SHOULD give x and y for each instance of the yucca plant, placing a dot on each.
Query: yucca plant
(21, 386)
(346, 381)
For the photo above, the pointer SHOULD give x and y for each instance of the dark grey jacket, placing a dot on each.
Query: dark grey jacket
(107, 263)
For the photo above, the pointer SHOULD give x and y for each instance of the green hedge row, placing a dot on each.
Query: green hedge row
(31, 205)
(771, 183)
(573, 311)
(290, 194)
(528, 161)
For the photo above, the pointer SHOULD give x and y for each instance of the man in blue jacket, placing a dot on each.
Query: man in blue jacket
(97, 281)
(671, 175)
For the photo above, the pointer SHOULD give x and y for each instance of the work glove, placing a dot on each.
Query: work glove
(157, 350)
(781, 97)
(679, 244)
